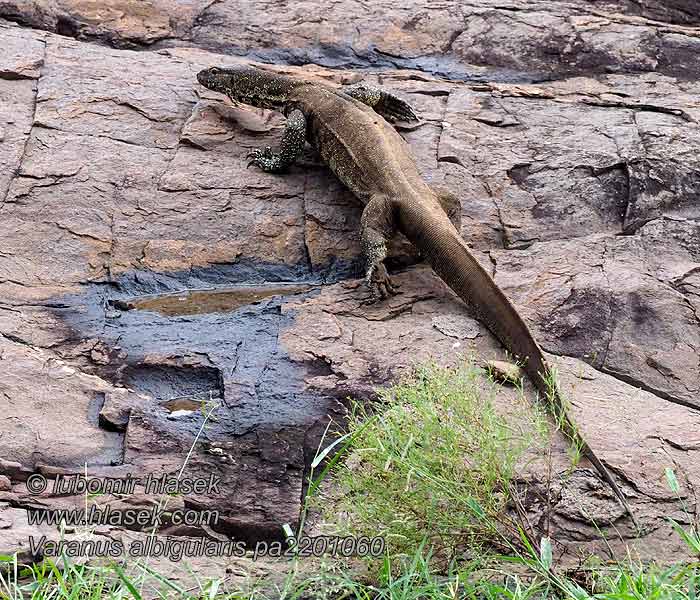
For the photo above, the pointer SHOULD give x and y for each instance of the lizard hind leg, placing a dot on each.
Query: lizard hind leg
(390, 106)
(377, 226)
(451, 205)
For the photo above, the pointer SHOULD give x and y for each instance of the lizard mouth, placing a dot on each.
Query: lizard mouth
(203, 77)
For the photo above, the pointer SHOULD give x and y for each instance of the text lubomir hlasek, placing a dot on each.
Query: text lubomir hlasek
(165, 484)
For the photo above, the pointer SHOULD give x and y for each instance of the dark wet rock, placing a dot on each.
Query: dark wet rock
(123, 188)
(164, 382)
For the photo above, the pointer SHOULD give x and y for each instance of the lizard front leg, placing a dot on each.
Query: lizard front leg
(377, 226)
(290, 149)
(391, 107)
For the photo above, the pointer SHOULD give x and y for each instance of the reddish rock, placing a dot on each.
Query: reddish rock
(569, 131)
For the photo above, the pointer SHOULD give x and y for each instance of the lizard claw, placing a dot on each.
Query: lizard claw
(265, 152)
(380, 285)
(261, 158)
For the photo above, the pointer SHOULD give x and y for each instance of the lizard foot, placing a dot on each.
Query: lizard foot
(395, 109)
(380, 285)
(265, 159)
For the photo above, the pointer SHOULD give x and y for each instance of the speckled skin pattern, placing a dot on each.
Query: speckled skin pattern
(349, 128)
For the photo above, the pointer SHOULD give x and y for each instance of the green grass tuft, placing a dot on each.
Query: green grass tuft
(435, 463)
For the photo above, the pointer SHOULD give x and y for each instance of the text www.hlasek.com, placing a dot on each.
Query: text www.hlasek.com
(106, 515)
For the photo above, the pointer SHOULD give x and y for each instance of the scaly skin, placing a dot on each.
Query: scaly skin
(347, 129)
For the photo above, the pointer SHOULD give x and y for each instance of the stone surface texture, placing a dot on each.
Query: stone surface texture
(569, 130)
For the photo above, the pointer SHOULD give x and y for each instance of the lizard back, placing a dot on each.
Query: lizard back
(358, 145)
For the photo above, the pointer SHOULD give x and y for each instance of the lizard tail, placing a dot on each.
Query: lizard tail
(451, 259)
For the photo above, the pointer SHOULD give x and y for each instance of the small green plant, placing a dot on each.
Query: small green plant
(691, 535)
(435, 463)
(558, 406)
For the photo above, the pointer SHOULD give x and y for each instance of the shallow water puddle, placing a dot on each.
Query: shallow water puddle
(197, 302)
(183, 404)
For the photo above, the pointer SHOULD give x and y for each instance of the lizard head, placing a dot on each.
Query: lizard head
(248, 85)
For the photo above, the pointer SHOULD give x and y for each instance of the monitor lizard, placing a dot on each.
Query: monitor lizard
(349, 128)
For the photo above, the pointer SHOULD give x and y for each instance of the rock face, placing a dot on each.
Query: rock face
(568, 129)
